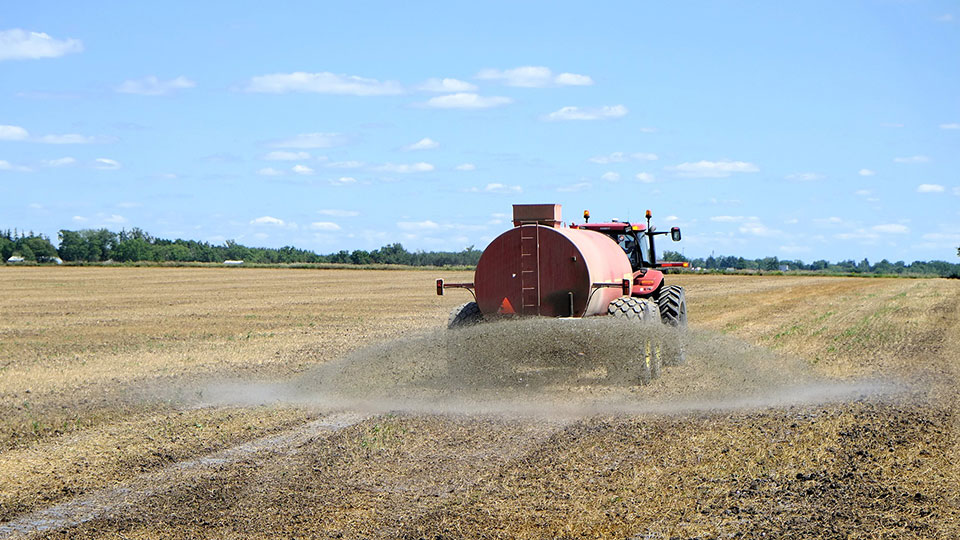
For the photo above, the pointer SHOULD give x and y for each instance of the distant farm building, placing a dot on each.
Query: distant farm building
(15, 259)
(232, 263)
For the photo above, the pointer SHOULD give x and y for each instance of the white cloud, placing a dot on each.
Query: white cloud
(115, 218)
(106, 164)
(13, 133)
(573, 79)
(930, 188)
(425, 143)
(79, 219)
(338, 213)
(344, 180)
(466, 100)
(59, 162)
(951, 238)
(756, 228)
(866, 172)
(832, 220)
(322, 83)
(891, 228)
(446, 85)
(269, 171)
(324, 226)
(713, 169)
(67, 138)
(7, 166)
(623, 157)
(610, 176)
(956, 191)
(128, 204)
(284, 155)
(912, 159)
(403, 168)
(302, 169)
(17, 44)
(497, 188)
(587, 113)
(345, 164)
(950, 126)
(646, 178)
(311, 140)
(466, 167)
(417, 225)
(804, 177)
(946, 17)
(575, 187)
(858, 234)
(152, 86)
(267, 220)
(534, 77)
(863, 192)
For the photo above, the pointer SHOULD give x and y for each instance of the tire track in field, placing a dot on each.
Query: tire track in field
(106, 501)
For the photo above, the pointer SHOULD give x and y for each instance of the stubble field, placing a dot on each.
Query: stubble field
(176, 402)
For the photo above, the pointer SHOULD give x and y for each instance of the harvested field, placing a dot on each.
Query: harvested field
(217, 403)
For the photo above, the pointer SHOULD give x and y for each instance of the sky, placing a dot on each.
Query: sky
(810, 130)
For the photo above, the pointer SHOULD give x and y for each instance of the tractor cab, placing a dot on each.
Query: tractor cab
(635, 239)
(628, 236)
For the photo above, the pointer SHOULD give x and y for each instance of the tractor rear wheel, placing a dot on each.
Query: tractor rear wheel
(466, 315)
(673, 312)
(627, 307)
(673, 306)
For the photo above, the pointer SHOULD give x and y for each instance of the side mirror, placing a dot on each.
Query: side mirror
(675, 234)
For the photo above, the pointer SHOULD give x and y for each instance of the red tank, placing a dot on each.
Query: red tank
(538, 268)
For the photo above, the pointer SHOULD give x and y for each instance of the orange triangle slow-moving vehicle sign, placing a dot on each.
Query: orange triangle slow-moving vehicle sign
(506, 307)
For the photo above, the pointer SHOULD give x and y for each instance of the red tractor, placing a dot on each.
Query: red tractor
(542, 268)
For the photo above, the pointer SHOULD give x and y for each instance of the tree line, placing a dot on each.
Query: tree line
(773, 264)
(136, 245)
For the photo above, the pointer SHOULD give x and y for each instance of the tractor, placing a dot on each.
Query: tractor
(542, 268)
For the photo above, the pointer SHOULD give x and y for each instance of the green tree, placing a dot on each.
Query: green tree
(769, 263)
(25, 252)
(40, 246)
(133, 249)
(73, 247)
(360, 257)
(100, 244)
(672, 256)
(6, 248)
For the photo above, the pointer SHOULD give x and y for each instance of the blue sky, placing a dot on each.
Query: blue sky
(813, 130)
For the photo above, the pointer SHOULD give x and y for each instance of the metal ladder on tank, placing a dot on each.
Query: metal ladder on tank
(530, 268)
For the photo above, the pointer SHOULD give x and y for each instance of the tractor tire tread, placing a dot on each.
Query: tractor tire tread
(673, 306)
(465, 315)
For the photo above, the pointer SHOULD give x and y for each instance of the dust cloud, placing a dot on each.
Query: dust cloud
(556, 367)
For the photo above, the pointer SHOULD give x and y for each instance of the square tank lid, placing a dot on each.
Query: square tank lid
(542, 214)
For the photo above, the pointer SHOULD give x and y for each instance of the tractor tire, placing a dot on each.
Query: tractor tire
(466, 315)
(627, 307)
(673, 306)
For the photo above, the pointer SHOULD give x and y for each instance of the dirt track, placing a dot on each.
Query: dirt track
(106, 354)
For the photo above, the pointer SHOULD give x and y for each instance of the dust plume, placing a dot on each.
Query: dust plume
(556, 367)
